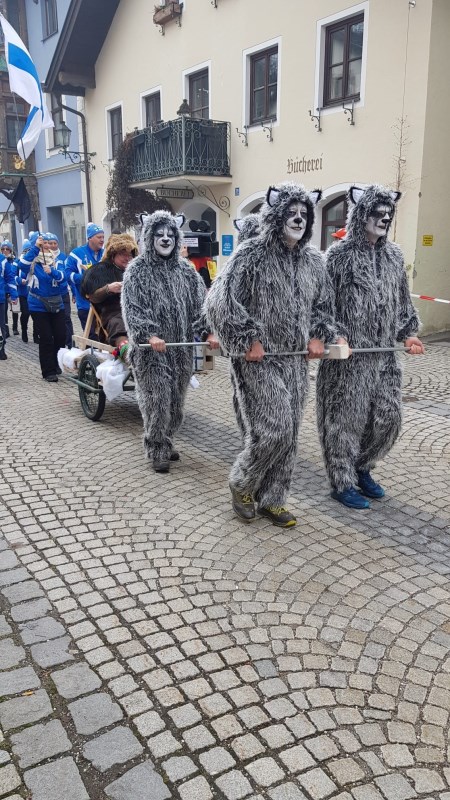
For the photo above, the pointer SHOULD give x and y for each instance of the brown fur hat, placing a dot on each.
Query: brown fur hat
(118, 242)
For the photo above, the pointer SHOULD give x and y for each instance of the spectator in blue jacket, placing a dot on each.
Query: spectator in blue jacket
(6, 249)
(46, 304)
(7, 287)
(22, 291)
(79, 260)
(51, 244)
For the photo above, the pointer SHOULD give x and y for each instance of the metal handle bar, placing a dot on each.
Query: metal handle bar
(334, 351)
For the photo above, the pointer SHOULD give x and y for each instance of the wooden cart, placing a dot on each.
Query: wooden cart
(90, 390)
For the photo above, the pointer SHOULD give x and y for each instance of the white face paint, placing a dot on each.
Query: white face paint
(379, 222)
(295, 220)
(164, 241)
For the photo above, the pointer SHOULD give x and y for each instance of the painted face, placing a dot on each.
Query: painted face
(295, 219)
(164, 241)
(379, 221)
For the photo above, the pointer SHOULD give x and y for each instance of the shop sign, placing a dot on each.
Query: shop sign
(304, 164)
(172, 193)
(227, 244)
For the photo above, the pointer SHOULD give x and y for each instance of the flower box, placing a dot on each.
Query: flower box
(165, 14)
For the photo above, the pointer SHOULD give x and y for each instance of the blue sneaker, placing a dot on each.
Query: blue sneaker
(369, 487)
(350, 498)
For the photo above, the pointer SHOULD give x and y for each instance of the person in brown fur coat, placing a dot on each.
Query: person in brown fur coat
(102, 285)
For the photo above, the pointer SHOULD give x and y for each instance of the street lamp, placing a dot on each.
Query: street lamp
(62, 135)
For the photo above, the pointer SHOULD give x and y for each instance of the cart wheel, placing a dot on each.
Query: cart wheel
(92, 403)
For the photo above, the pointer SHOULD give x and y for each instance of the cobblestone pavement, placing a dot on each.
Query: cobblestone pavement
(155, 647)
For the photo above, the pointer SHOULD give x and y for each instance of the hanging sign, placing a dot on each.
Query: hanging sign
(172, 193)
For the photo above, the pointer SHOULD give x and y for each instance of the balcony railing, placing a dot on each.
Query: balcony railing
(183, 146)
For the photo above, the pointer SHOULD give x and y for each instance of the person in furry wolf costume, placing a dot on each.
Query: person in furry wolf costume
(359, 400)
(162, 299)
(247, 227)
(273, 295)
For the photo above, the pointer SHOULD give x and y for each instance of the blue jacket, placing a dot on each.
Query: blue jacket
(41, 284)
(22, 288)
(77, 262)
(60, 261)
(7, 280)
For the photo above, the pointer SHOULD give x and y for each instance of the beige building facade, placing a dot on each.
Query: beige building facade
(324, 92)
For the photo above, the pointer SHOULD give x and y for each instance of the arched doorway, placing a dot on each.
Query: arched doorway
(334, 217)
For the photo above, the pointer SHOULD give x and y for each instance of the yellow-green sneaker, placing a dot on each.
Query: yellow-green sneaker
(243, 505)
(278, 516)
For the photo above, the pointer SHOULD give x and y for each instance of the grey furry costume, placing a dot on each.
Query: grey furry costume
(161, 297)
(281, 298)
(247, 227)
(359, 400)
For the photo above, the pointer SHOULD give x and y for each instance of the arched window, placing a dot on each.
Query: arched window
(256, 208)
(334, 216)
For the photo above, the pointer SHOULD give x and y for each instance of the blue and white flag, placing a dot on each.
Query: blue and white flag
(24, 81)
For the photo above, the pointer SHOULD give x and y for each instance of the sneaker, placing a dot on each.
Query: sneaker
(369, 487)
(51, 378)
(161, 466)
(243, 505)
(278, 516)
(350, 498)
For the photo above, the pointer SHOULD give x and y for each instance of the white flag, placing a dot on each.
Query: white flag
(24, 81)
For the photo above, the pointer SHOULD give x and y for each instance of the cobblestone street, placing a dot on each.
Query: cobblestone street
(153, 646)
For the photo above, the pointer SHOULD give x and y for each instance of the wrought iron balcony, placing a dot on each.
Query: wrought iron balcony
(183, 146)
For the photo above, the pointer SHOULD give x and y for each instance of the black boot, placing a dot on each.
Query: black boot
(24, 337)
(3, 356)
(161, 466)
(278, 516)
(243, 505)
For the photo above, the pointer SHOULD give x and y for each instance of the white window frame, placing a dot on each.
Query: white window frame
(142, 98)
(50, 148)
(246, 72)
(185, 82)
(109, 108)
(322, 25)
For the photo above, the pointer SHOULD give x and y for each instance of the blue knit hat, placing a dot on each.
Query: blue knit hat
(92, 230)
(6, 243)
(26, 245)
(50, 237)
(32, 236)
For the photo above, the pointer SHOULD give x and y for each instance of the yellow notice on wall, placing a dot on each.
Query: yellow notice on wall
(427, 240)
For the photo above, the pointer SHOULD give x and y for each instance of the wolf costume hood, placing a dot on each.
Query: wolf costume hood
(162, 296)
(359, 400)
(281, 297)
(247, 227)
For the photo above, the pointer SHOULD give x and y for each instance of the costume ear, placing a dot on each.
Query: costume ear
(180, 219)
(238, 223)
(355, 193)
(272, 196)
(316, 196)
(395, 196)
(143, 217)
